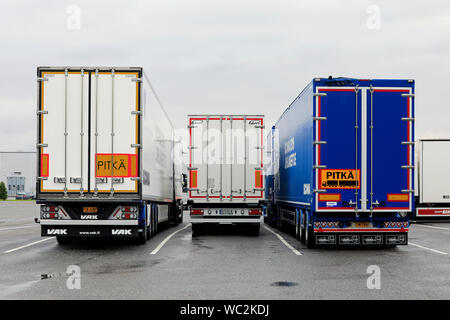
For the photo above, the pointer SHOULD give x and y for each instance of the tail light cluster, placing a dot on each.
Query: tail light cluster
(49, 212)
(129, 213)
(254, 212)
(196, 211)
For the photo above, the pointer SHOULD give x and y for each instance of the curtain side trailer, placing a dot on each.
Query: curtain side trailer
(343, 162)
(105, 155)
(226, 170)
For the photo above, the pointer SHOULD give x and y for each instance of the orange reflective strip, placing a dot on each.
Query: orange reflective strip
(397, 197)
(329, 197)
(258, 179)
(44, 165)
(193, 179)
(133, 165)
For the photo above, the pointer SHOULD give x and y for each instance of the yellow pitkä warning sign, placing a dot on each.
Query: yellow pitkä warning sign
(339, 179)
(119, 165)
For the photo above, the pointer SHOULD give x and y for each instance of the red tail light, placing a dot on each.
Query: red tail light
(129, 209)
(258, 212)
(196, 211)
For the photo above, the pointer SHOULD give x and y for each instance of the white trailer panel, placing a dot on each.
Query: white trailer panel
(102, 133)
(226, 158)
(434, 171)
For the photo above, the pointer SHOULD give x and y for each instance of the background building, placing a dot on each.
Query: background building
(18, 171)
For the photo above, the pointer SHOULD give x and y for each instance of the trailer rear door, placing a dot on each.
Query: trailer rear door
(364, 148)
(434, 172)
(63, 134)
(115, 132)
(226, 158)
(338, 148)
(88, 131)
(390, 154)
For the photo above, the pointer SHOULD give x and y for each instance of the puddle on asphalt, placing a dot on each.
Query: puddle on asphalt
(283, 284)
(7, 290)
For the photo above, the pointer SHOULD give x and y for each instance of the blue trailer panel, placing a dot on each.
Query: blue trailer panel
(343, 162)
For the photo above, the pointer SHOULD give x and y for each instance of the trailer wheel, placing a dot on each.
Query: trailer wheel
(196, 230)
(279, 223)
(254, 229)
(297, 227)
(144, 235)
(64, 240)
(302, 228)
(180, 213)
(309, 235)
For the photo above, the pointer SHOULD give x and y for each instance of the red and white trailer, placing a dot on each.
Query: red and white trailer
(433, 198)
(226, 180)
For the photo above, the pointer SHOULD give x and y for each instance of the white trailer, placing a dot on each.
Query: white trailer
(433, 198)
(105, 154)
(226, 180)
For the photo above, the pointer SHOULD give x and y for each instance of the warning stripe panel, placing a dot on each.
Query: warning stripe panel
(44, 165)
(124, 165)
(258, 179)
(193, 179)
(397, 197)
(329, 197)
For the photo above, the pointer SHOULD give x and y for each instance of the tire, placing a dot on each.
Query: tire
(302, 229)
(64, 240)
(309, 235)
(254, 229)
(297, 227)
(144, 236)
(196, 230)
(279, 223)
(151, 223)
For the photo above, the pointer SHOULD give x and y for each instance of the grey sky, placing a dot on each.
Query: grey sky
(227, 56)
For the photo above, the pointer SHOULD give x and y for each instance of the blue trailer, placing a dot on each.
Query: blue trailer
(343, 162)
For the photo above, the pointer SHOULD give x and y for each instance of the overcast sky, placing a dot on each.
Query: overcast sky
(233, 56)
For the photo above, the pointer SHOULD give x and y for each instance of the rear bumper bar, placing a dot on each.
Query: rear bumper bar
(361, 238)
(69, 222)
(114, 231)
(225, 220)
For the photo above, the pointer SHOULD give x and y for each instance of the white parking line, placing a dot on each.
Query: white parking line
(28, 245)
(18, 227)
(155, 251)
(432, 250)
(285, 242)
(433, 227)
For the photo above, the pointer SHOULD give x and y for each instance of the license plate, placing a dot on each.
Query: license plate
(90, 209)
(362, 224)
(227, 211)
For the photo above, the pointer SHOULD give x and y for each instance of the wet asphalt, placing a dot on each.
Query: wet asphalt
(221, 264)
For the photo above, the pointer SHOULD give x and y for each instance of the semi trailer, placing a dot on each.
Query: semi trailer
(343, 162)
(225, 171)
(433, 174)
(105, 153)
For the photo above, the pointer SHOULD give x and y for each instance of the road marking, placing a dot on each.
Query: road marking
(285, 242)
(155, 251)
(16, 220)
(28, 245)
(433, 227)
(432, 250)
(19, 227)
